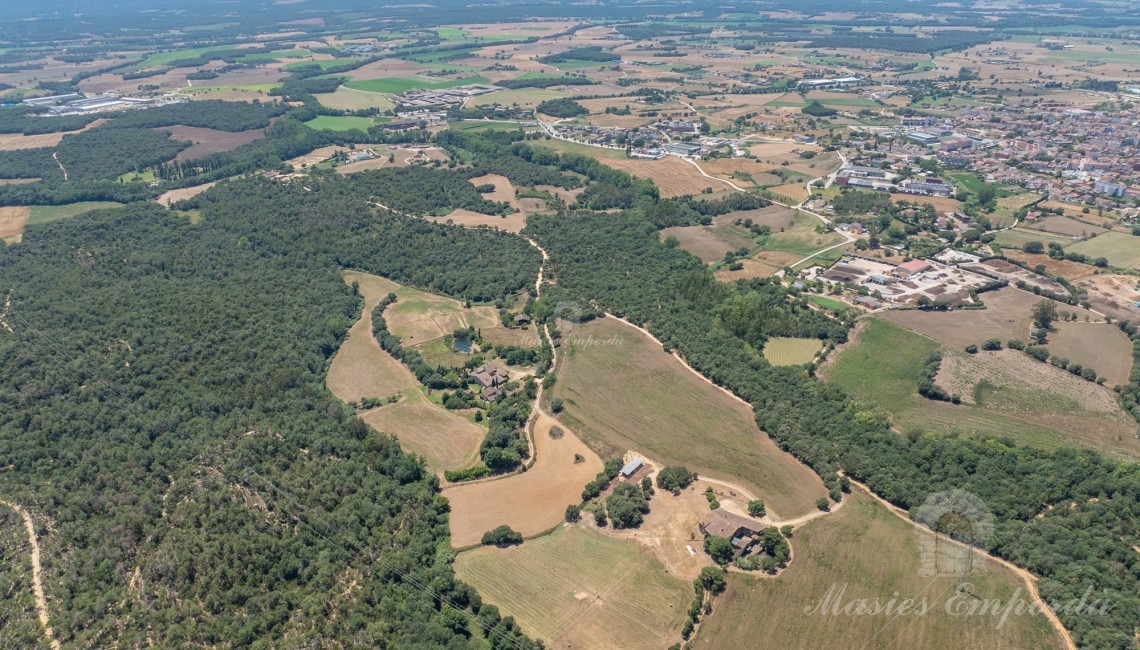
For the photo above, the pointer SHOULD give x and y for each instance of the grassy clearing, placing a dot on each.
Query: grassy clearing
(631, 394)
(417, 316)
(48, 213)
(396, 85)
(882, 369)
(577, 588)
(873, 555)
(1120, 249)
(830, 303)
(352, 100)
(340, 123)
(1099, 346)
(801, 237)
(791, 352)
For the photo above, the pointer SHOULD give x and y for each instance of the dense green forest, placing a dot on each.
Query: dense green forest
(102, 153)
(164, 409)
(617, 264)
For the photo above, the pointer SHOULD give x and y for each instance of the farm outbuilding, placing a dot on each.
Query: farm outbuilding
(632, 466)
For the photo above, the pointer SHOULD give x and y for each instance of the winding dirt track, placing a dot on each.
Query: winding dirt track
(37, 574)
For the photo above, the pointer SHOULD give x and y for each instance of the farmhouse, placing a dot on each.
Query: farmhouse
(741, 530)
(488, 376)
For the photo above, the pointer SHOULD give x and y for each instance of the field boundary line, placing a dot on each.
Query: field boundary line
(37, 574)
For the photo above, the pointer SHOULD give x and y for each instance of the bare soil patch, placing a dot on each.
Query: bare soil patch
(1062, 268)
(531, 502)
(468, 219)
(1116, 295)
(776, 217)
(1100, 346)
(1007, 316)
(208, 141)
(13, 219)
(795, 192)
(673, 176)
(172, 196)
(360, 368)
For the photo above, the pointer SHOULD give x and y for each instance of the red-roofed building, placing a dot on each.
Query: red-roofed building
(912, 267)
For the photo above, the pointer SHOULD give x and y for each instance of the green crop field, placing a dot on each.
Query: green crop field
(883, 366)
(1120, 249)
(801, 237)
(340, 123)
(396, 85)
(578, 588)
(47, 213)
(829, 303)
(791, 352)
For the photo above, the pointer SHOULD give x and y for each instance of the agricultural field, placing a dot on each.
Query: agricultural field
(1100, 346)
(831, 553)
(1065, 226)
(1007, 316)
(396, 85)
(417, 316)
(1062, 268)
(341, 123)
(447, 440)
(1121, 250)
(208, 141)
(632, 395)
(360, 368)
(801, 237)
(171, 196)
(12, 221)
(673, 176)
(350, 99)
(577, 588)
(47, 213)
(531, 502)
(1024, 402)
(710, 243)
(468, 219)
(791, 352)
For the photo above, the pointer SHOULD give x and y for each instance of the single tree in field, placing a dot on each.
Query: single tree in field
(756, 508)
(1044, 313)
(719, 549)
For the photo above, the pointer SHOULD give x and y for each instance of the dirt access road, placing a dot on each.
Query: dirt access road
(37, 574)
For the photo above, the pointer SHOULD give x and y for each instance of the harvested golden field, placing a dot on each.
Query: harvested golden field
(12, 220)
(1100, 346)
(782, 351)
(208, 141)
(314, 157)
(577, 588)
(360, 368)
(709, 243)
(504, 190)
(629, 394)
(834, 561)
(726, 167)
(17, 141)
(673, 176)
(1064, 268)
(794, 193)
(530, 502)
(172, 196)
(18, 181)
(446, 439)
(776, 217)
(468, 219)
(763, 264)
(1007, 316)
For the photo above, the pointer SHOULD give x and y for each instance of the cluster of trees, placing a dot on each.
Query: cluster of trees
(30, 121)
(772, 553)
(205, 113)
(815, 109)
(860, 202)
(544, 82)
(675, 478)
(590, 53)
(101, 153)
(628, 504)
(505, 446)
(926, 386)
(617, 264)
(206, 450)
(420, 191)
(563, 107)
(502, 536)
